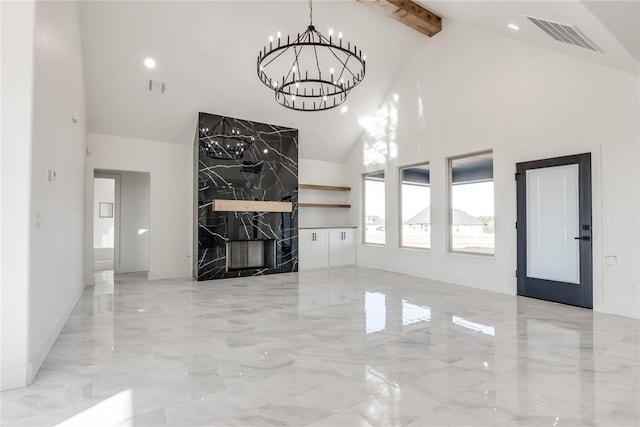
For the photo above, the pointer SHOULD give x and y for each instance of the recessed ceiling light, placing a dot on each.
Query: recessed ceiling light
(344, 109)
(150, 63)
(514, 27)
(265, 151)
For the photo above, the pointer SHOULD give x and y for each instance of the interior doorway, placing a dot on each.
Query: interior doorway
(554, 230)
(121, 221)
(104, 221)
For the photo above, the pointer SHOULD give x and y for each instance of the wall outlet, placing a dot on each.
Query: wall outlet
(52, 175)
(633, 287)
(610, 260)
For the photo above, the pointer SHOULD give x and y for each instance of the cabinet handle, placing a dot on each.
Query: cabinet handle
(313, 237)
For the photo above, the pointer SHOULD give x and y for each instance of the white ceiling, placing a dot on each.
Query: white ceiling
(612, 25)
(206, 54)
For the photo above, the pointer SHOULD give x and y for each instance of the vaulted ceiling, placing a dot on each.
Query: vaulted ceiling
(206, 56)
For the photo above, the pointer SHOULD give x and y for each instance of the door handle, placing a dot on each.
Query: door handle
(584, 238)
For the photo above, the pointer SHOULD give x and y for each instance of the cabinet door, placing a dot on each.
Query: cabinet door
(335, 247)
(305, 249)
(349, 246)
(313, 249)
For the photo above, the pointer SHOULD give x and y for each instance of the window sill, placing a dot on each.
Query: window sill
(414, 249)
(472, 254)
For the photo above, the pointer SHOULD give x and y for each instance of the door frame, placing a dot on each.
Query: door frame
(550, 290)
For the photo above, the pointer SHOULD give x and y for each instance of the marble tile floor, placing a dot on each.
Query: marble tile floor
(346, 347)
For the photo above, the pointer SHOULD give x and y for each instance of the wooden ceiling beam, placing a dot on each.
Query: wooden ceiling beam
(409, 13)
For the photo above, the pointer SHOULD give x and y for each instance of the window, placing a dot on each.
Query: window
(374, 208)
(471, 209)
(415, 205)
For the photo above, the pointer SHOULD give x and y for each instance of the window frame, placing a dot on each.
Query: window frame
(449, 166)
(400, 234)
(364, 207)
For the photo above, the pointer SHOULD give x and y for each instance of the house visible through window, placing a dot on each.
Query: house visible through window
(416, 207)
(471, 213)
(374, 207)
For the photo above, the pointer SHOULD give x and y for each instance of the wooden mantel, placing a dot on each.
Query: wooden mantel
(409, 13)
(220, 205)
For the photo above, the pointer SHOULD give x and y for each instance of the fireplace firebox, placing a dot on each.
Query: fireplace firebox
(250, 254)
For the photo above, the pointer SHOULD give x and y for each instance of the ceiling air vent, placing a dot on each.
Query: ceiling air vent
(565, 33)
(157, 86)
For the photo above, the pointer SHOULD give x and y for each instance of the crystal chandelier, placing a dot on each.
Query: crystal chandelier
(312, 72)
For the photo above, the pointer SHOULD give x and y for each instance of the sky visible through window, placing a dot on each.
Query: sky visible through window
(475, 199)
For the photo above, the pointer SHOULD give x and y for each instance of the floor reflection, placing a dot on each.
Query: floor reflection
(477, 327)
(375, 311)
(412, 313)
(347, 346)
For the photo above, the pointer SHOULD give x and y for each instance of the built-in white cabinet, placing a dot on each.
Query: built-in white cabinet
(326, 247)
(342, 247)
(313, 249)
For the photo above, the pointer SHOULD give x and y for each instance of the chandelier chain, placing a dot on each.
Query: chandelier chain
(310, 12)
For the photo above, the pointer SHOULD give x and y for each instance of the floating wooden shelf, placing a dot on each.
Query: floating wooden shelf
(220, 205)
(322, 187)
(323, 205)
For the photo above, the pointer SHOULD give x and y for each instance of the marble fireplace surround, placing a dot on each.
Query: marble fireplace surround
(246, 189)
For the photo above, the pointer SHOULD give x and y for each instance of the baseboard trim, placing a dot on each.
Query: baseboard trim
(38, 358)
(13, 377)
(158, 275)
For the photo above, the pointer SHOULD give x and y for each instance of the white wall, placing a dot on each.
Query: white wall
(323, 173)
(134, 222)
(57, 206)
(466, 90)
(42, 228)
(171, 191)
(17, 36)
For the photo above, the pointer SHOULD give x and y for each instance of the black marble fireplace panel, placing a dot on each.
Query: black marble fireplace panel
(243, 160)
